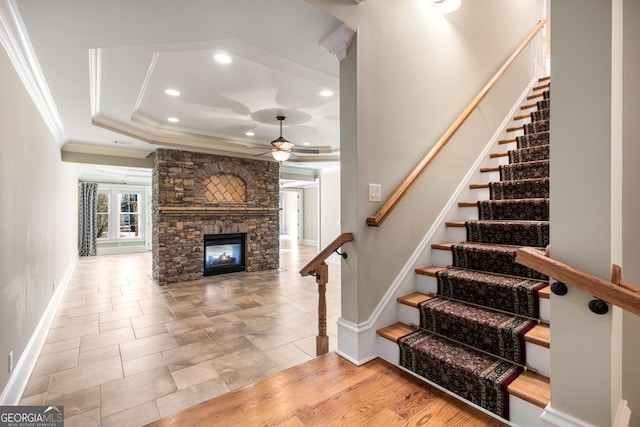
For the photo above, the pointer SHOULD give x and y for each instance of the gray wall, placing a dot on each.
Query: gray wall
(38, 216)
(411, 74)
(631, 203)
(310, 211)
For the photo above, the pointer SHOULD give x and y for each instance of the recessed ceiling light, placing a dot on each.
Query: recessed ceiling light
(222, 58)
(306, 143)
(249, 133)
(172, 92)
(173, 119)
(326, 93)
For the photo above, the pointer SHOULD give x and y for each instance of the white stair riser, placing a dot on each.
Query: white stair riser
(544, 306)
(408, 315)
(468, 214)
(490, 177)
(441, 258)
(456, 234)
(479, 194)
(388, 350)
(497, 161)
(539, 357)
(426, 284)
(523, 413)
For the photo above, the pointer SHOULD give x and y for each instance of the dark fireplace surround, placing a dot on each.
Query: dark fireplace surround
(197, 195)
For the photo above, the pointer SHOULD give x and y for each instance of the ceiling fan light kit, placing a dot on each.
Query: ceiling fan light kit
(282, 149)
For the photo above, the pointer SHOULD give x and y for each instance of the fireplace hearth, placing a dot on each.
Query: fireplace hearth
(224, 253)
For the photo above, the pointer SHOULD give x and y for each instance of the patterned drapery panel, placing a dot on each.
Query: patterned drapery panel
(87, 219)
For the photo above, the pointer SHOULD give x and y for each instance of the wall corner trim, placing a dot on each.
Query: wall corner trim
(12, 392)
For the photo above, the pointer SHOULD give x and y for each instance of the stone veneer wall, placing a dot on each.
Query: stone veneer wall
(182, 215)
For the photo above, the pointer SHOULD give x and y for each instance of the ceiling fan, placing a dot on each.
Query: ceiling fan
(283, 149)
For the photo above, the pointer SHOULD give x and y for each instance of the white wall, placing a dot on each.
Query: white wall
(329, 185)
(311, 212)
(38, 216)
(411, 73)
(631, 203)
(585, 215)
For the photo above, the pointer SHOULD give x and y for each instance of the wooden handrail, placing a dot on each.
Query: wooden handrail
(318, 268)
(313, 265)
(401, 191)
(619, 293)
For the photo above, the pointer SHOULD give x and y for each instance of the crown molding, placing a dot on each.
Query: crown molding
(15, 40)
(338, 41)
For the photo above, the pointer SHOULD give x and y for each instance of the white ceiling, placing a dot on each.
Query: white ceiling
(107, 64)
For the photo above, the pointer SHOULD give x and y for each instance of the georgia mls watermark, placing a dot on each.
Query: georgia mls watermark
(31, 416)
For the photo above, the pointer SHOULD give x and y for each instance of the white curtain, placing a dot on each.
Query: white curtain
(87, 233)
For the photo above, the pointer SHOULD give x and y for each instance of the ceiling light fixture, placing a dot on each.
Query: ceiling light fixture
(306, 144)
(446, 6)
(172, 92)
(173, 119)
(222, 58)
(326, 93)
(281, 147)
(249, 133)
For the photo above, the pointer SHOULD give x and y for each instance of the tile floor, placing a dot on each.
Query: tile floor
(123, 351)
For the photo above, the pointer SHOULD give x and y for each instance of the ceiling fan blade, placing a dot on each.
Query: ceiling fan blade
(306, 150)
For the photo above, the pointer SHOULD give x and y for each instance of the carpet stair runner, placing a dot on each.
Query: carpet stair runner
(471, 335)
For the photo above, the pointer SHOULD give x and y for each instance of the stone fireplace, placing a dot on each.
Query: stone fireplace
(197, 195)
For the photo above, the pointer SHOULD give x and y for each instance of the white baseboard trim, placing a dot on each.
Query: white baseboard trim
(18, 380)
(308, 242)
(110, 250)
(553, 417)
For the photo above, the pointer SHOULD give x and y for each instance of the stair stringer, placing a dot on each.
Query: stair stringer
(358, 343)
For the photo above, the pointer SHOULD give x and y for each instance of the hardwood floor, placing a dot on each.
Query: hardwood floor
(330, 391)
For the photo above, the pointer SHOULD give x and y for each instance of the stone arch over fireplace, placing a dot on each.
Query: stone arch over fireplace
(225, 187)
(224, 182)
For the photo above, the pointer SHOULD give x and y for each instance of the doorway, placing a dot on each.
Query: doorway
(291, 219)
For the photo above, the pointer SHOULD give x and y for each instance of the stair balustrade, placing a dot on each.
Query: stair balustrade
(617, 292)
(377, 219)
(318, 268)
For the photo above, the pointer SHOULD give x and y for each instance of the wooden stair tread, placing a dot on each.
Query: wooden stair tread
(532, 388)
(544, 79)
(467, 204)
(528, 106)
(429, 271)
(476, 186)
(539, 335)
(490, 169)
(458, 224)
(443, 246)
(544, 292)
(541, 87)
(522, 117)
(514, 129)
(395, 331)
(500, 154)
(507, 141)
(414, 299)
(534, 96)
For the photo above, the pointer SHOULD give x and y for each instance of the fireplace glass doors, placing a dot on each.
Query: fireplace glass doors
(224, 253)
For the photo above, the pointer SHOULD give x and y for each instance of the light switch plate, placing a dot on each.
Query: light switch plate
(375, 192)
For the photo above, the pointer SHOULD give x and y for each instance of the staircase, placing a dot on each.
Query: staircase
(478, 323)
